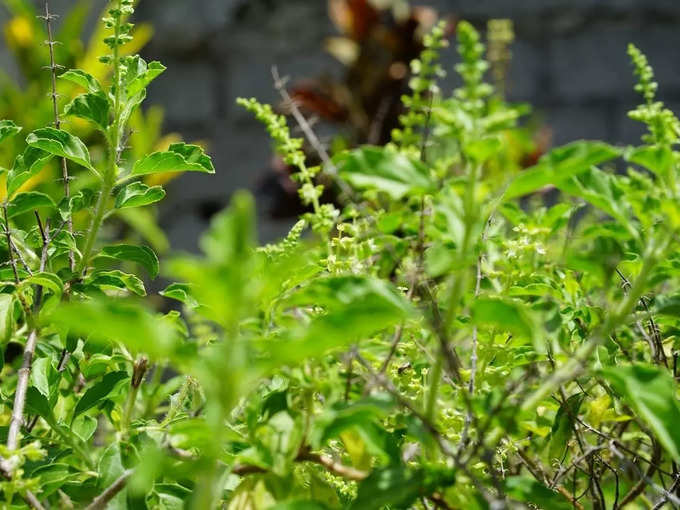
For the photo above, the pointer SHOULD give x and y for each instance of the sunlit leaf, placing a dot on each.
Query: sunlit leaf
(29, 201)
(92, 107)
(142, 255)
(384, 170)
(560, 164)
(85, 80)
(62, 144)
(508, 315)
(26, 165)
(179, 157)
(8, 129)
(138, 194)
(116, 280)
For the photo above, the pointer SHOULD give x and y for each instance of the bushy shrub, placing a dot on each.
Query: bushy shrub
(449, 336)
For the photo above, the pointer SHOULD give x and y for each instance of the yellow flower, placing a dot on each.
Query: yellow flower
(19, 32)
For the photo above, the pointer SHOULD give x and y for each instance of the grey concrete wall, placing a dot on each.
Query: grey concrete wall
(569, 61)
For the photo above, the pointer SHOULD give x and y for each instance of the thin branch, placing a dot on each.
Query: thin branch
(329, 166)
(57, 121)
(20, 392)
(10, 246)
(347, 472)
(100, 502)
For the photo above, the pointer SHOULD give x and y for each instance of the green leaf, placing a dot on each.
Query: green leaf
(85, 80)
(528, 490)
(650, 391)
(116, 280)
(49, 281)
(563, 426)
(8, 129)
(26, 165)
(560, 164)
(110, 469)
(667, 305)
(29, 201)
(138, 194)
(143, 74)
(299, 505)
(76, 202)
(180, 157)
(601, 190)
(37, 403)
(142, 255)
(84, 427)
(384, 170)
(92, 107)
(396, 487)
(508, 315)
(94, 395)
(118, 320)
(483, 149)
(180, 292)
(655, 158)
(62, 144)
(356, 308)
(40, 377)
(6, 320)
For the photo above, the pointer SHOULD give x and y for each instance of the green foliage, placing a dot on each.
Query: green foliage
(441, 338)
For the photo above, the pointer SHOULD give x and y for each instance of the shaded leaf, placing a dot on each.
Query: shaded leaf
(95, 394)
(563, 426)
(396, 487)
(37, 403)
(528, 490)
(651, 393)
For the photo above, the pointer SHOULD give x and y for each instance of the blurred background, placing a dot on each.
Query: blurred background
(346, 64)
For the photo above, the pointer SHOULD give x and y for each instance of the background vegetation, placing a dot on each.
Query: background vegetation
(448, 325)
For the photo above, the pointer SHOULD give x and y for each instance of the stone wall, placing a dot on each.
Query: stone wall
(569, 61)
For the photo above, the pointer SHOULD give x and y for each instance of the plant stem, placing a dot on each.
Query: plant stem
(57, 121)
(436, 377)
(20, 393)
(100, 502)
(113, 139)
(575, 364)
